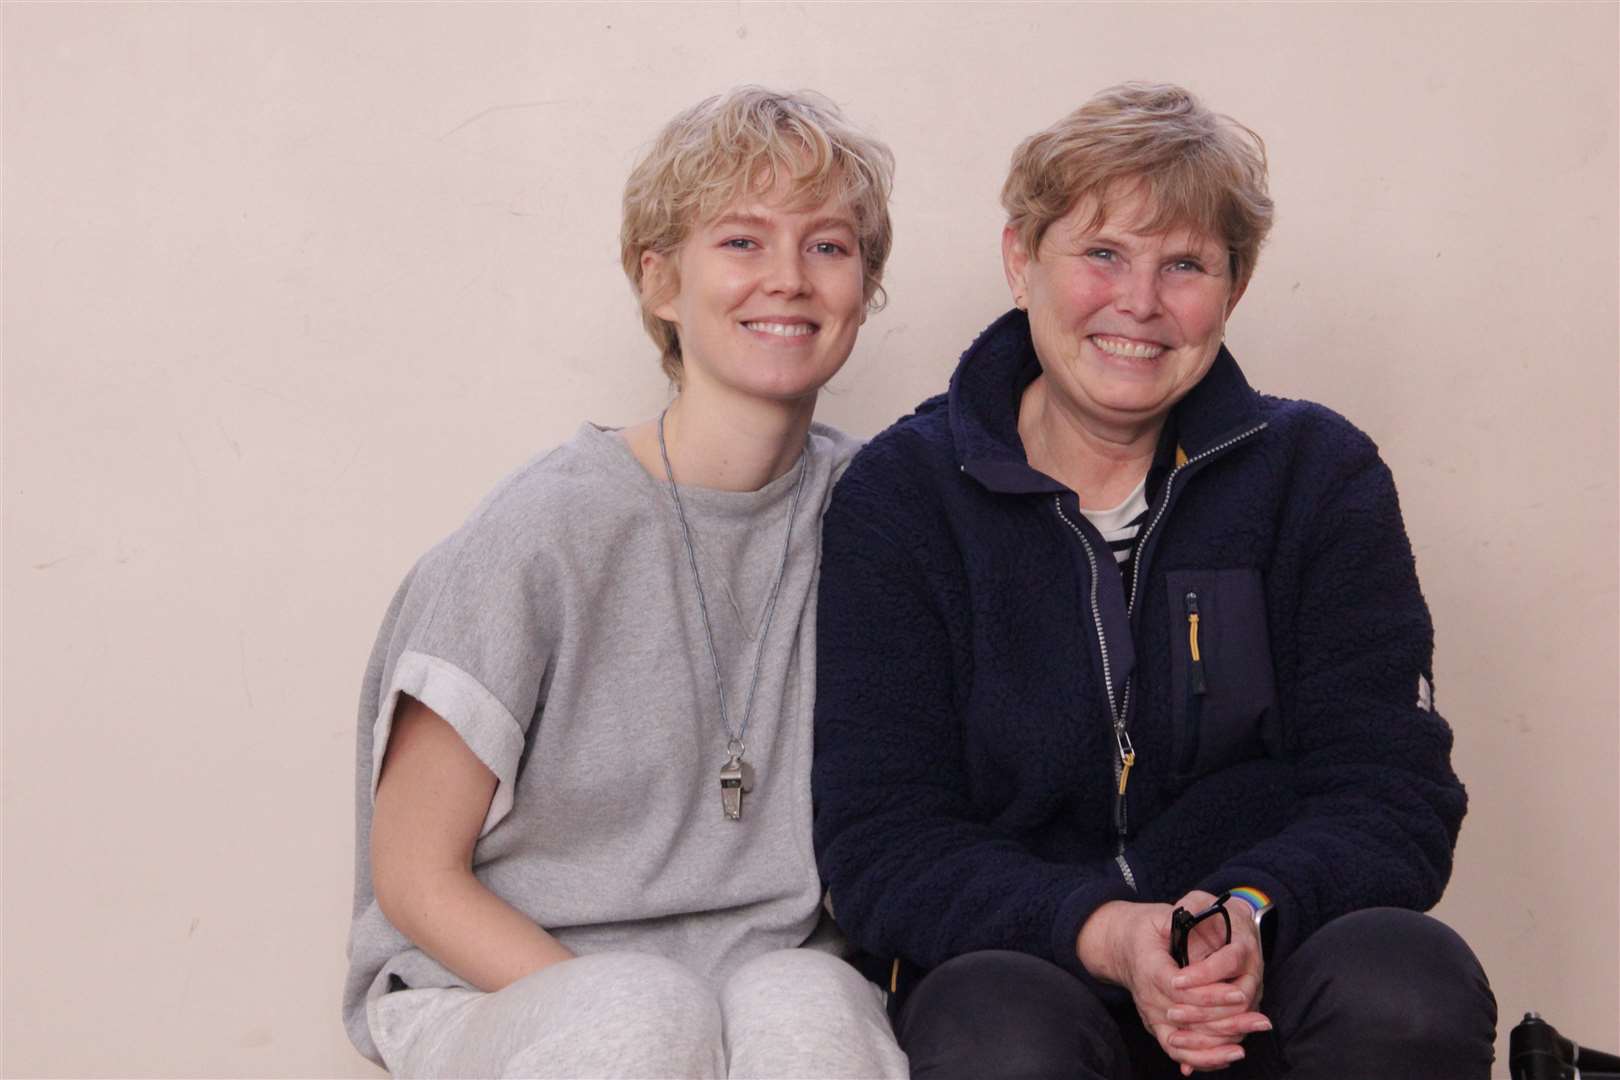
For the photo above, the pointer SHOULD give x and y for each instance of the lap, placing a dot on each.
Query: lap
(608, 1014)
(793, 1012)
(1381, 992)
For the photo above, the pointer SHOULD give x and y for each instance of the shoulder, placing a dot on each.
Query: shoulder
(570, 493)
(911, 454)
(1307, 424)
(835, 448)
(900, 485)
(1314, 443)
(1321, 477)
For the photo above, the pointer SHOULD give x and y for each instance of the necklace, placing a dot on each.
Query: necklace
(736, 775)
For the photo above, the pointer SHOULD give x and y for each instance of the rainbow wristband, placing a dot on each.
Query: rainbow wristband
(1259, 901)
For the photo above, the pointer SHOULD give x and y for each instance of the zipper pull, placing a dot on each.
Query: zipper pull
(1199, 686)
(1127, 757)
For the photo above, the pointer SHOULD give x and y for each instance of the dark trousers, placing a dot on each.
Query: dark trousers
(1382, 994)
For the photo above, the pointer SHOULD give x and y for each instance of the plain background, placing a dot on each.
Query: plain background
(288, 287)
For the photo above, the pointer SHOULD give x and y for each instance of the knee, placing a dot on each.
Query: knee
(1011, 1015)
(620, 1014)
(1409, 968)
(1401, 980)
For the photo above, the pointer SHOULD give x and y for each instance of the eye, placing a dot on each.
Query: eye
(739, 243)
(829, 247)
(1102, 254)
(1188, 266)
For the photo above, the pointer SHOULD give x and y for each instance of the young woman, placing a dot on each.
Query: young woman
(584, 748)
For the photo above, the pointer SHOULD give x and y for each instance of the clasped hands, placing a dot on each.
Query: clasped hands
(1199, 1014)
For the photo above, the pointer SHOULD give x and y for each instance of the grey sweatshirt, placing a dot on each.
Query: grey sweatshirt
(558, 632)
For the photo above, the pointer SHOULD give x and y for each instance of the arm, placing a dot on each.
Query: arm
(431, 800)
(914, 868)
(1378, 805)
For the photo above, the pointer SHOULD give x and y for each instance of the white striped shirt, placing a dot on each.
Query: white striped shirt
(1120, 525)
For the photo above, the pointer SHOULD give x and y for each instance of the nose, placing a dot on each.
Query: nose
(1138, 292)
(784, 273)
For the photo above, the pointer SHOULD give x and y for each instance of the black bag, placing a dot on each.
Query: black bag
(1537, 1052)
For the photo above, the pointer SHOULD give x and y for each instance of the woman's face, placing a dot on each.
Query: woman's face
(769, 300)
(1125, 322)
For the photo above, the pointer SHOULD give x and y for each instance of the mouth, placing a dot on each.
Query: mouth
(1129, 348)
(789, 328)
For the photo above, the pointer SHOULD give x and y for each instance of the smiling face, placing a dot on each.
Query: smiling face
(769, 299)
(1124, 322)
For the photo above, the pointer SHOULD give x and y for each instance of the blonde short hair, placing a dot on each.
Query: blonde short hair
(740, 143)
(1195, 168)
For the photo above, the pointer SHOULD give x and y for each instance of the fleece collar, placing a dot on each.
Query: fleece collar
(998, 366)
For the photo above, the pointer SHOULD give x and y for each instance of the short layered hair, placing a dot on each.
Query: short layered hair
(1195, 169)
(750, 142)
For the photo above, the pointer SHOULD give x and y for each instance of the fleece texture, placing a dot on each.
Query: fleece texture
(977, 647)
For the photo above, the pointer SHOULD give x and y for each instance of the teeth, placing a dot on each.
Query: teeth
(1137, 350)
(782, 329)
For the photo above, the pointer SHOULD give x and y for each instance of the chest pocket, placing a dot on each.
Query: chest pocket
(1223, 692)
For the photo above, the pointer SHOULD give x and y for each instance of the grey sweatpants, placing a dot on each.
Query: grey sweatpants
(790, 1013)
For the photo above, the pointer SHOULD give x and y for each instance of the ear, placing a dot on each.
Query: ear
(1015, 262)
(1237, 294)
(657, 275)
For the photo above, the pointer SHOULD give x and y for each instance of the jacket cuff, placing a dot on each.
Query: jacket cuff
(1072, 914)
(1285, 912)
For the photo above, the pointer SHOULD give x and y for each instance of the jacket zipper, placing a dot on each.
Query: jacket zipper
(1122, 739)
(1126, 755)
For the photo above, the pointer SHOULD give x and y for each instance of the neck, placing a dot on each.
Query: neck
(726, 445)
(1100, 463)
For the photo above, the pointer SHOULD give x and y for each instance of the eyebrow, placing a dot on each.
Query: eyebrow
(1180, 251)
(832, 221)
(759, 221)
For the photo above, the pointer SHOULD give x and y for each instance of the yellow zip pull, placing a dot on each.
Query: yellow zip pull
(1198, 684)
(1127, 757)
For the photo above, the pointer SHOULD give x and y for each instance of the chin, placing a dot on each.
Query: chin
(785, 391)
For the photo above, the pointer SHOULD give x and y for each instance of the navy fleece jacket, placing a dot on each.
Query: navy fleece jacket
(977, 649)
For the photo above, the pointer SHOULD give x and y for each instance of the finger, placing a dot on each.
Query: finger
(1232, 1027)
(1210, 1060)
(1252, 987)
(1222, 965)
(1187, 1015)
(1218, 1057)
(1211, 996)
(1197, 1039)
(1197, 900)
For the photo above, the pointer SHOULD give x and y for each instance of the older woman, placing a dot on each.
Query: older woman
(1104, 632)
(584, 749)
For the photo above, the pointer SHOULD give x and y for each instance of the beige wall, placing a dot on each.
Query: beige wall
(287, 287)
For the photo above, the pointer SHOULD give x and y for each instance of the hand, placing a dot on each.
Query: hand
(1238, 966)
(1129, 944)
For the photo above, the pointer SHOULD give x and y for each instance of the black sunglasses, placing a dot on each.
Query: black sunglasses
(1182, 922)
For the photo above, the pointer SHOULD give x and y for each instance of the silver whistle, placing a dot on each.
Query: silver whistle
(731, 787)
